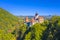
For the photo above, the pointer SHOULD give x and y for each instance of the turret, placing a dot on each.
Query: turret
(41, 19)
(36, 16)
(26, 19)
(32, 21)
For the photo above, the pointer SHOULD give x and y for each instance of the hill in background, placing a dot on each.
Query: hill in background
(7, 20)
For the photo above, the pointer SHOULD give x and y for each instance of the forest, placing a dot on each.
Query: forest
(13, 28)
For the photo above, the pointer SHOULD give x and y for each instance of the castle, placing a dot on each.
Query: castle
(34, 20)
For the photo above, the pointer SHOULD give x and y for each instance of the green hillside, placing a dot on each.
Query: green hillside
(8, 23)
(13, 28)
(7, 20)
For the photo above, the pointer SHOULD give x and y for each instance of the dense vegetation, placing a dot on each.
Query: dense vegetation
(13, 28)
(8, 23)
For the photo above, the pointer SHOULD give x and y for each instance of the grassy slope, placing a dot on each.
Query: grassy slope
(7, 20)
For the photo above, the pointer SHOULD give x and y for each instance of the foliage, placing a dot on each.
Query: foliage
(13, 28)
(8, 23)
(35, 32)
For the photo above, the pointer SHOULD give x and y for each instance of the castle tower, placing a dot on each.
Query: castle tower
(32, 21)
(36, 16)
(41, 19)
(26, 19)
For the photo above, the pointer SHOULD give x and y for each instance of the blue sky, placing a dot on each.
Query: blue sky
(30, 7)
